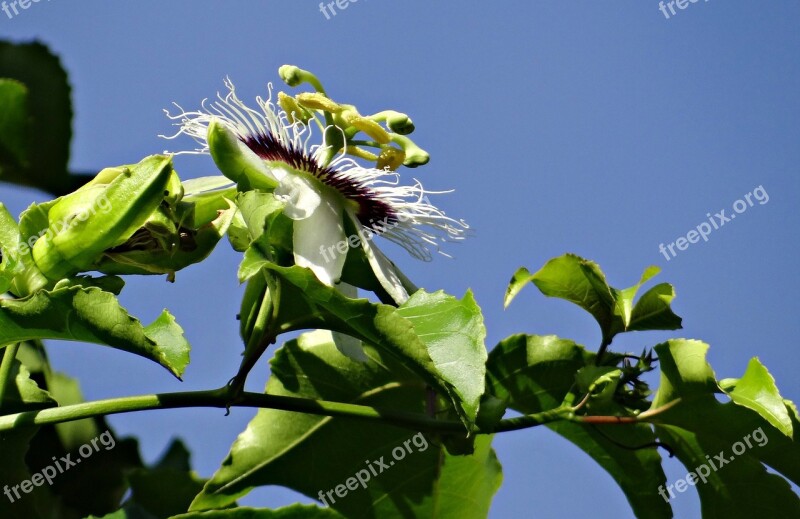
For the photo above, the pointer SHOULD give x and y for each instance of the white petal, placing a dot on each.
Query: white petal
(384, 270)
(317, 239)
(300, 196)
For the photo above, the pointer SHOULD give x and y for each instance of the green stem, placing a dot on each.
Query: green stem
(9, 354)
(602, 350)
(222, 398)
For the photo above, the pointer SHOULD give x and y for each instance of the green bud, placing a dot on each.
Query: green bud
(100, 216)
(415, 156)
(295, 76)
(396, 121)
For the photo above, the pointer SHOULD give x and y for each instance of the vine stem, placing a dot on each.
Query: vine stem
(9, 354)
(223, 398)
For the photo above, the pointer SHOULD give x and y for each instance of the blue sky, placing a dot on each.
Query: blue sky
(599, 128)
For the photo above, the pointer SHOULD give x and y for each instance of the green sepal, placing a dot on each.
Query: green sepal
(232, 161)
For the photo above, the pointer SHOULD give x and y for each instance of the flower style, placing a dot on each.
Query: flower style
(319, 191)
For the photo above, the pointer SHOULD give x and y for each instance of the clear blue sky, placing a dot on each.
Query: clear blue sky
(600, 128)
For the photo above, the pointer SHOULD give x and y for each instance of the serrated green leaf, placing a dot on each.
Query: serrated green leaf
(537, 373)
(653, 312)
(77, 313)
(688, 385)
(581, 282)
(757, 391)
(741, 488)
(424, 481)
(454, 333)
(307, 303)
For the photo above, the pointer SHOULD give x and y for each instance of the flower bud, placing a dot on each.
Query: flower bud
(100, 216)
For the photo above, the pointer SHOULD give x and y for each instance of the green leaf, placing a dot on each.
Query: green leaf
(653, 312)
(267, 234)
(421, 481)
(167, 489)
(518, 281)
(307, 303)
(289, 512)
(23, 394)
(581, 282)
(757, 391)
(454, 333)
(20, 395)
(49, 128)
(625, 297)
(14, 445)
(14, 125)
(537, 373)
(741, 488)
(688, 385)
(534, 372)
(75, 313)
(17, 266)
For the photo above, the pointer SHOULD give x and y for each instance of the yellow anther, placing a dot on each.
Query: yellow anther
(317, 101)
(294, 111)
(352, 118)
(391, 158)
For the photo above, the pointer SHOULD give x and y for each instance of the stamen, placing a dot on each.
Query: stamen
(401, 214)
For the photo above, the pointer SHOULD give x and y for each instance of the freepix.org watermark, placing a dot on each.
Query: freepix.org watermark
(701, 472)
(329, 8)
(13, 7)
(670, 5)
(49, 473)
(101, 203)
(374, 468)
(714, 223)
(363, 235)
